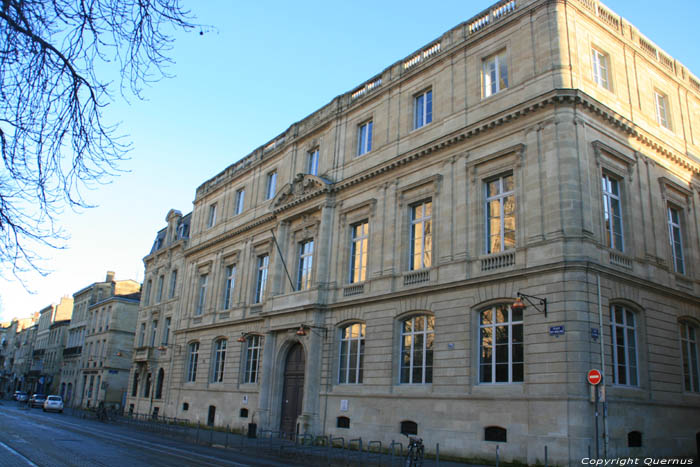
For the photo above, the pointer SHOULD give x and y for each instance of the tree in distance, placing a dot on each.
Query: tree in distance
(55, 56)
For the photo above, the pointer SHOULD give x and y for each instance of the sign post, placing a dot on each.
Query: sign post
(594, 377)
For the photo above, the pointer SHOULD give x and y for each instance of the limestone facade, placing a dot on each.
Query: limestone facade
(74, 359)
(355, 275)
(108, 346)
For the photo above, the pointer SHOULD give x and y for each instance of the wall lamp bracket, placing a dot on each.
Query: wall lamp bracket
(518, 304)
(305, 328)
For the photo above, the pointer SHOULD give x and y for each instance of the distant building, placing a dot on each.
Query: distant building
(22, 360)
(44, 371)
(109, 340)
(448, 249)
(85, 318)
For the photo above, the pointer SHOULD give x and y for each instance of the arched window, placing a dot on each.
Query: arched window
(342, 422)
(352, 349)
(495, 433)
(218, 359)
(624, 346)
(501, 353)
(192, 358)
(417, 336)
(252, 361)
(689, 350)
(159, 384)
(409, 427)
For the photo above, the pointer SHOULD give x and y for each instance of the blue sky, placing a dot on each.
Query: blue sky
(266, 66)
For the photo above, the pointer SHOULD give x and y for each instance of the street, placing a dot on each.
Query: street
(32, 437)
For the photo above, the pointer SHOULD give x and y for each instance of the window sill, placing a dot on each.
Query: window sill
(422, 127)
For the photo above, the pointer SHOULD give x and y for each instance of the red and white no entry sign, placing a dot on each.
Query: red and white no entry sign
(594, 377)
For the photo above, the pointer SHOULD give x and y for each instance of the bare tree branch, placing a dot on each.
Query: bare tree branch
(53, 140)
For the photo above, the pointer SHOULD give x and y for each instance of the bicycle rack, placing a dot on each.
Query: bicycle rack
(376, 453)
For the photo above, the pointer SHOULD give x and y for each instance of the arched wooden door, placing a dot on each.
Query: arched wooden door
(293, 391)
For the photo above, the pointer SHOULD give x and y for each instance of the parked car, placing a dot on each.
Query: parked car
(54, 403)
(20, 396)
(37, 400)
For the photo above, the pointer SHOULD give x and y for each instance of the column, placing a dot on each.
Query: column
(266, 380)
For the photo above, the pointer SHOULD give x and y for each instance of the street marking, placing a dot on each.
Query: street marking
(24, 458)
(146, 444)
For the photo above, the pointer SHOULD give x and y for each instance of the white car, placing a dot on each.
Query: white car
(53, 403)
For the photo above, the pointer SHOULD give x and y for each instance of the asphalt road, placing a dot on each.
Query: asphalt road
(31, 437)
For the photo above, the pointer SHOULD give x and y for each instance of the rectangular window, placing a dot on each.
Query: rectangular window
(240, 198)
(624, 346)
(142, 335)
(193, 357)
(358, 252)
(159, 290)
(674, 233)
(501, 358)
(364, 138)
(495, 74)
(662, 109)
(173, 283)
(689, 351)
(312, 162)
(352, 349)
(500, 214)
(261, 277)
(306, 257)
(612, 211)
(201, 296)
(423, 109)
(166, 331)
(212, 216)
(228, 288)
(271, 185)
(147, 295)
(417, 337)
(421, 235)
(252, 359)
(600, 69)
(154, 330)
(219, 360)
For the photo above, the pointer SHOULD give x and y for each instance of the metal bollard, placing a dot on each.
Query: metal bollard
(545, 455)
(497, 446)
(227, 430)
(197, 438)
(437, 455)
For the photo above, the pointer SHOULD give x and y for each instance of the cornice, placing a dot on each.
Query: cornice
(229, 234)
(557, 97)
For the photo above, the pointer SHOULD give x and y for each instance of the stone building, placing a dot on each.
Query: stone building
(21, 380)
(74, 360)
(72, 354)
(153, 349)
(53, 357)
(108, 342)
(358, 274)
(43, 372)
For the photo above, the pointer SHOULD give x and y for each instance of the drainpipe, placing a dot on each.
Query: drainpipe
(602, 371)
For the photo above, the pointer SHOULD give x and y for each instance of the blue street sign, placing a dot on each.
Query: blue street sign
(556, 330)
(595, 333)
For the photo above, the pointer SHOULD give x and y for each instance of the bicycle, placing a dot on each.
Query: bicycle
(416, 450)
